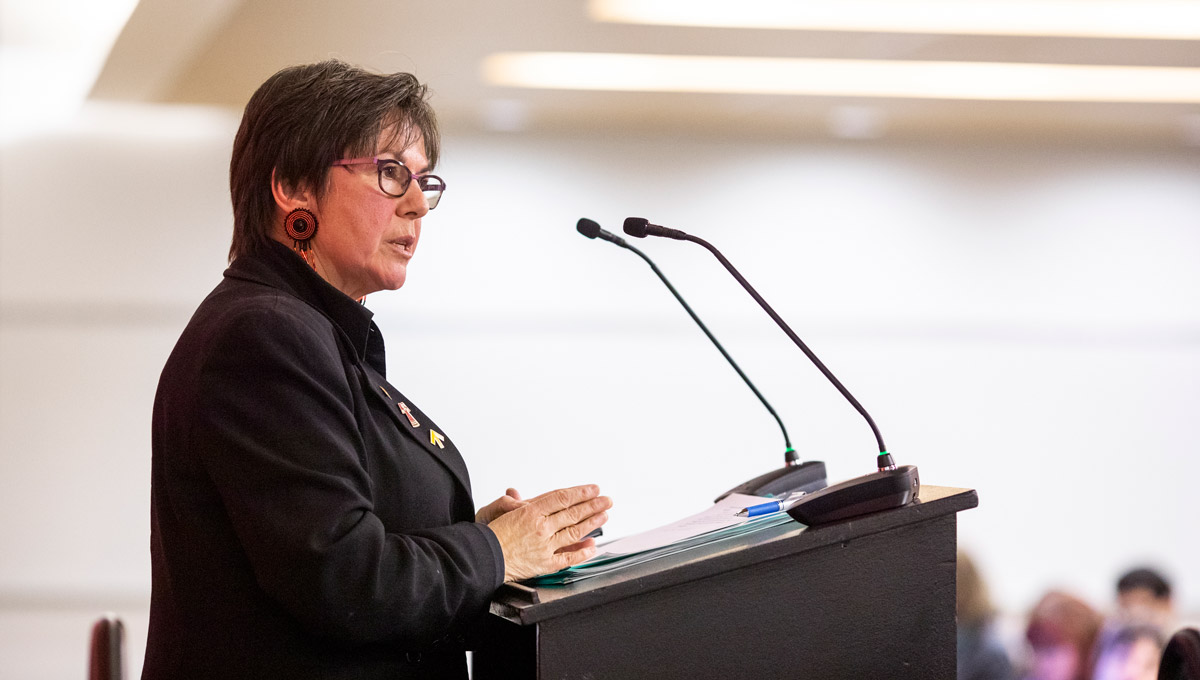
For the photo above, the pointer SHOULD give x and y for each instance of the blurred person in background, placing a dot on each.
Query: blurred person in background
(1144, 597)
(1132, 654)
(1062, 633)
(981, 656)
(1132, 639)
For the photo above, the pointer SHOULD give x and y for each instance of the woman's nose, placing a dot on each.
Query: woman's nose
(413, 203)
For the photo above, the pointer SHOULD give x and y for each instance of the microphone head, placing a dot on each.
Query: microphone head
(588, 228)
(636, 226)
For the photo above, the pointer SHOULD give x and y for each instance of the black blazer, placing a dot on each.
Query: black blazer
(302, 524)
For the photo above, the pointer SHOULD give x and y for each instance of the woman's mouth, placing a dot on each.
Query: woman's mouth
(404, 244)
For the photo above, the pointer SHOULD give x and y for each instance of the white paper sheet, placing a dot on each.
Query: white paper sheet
(719, 516)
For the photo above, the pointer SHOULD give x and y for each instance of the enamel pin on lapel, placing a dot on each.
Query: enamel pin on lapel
(436, 438)
(408, 412)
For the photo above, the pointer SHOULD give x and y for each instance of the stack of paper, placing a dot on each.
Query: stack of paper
(717, 523)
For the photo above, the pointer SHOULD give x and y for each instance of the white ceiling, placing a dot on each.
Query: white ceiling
(217, 52)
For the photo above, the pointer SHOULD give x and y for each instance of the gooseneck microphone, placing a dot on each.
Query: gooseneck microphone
(808, 476)
(889, 487)
(640, 228)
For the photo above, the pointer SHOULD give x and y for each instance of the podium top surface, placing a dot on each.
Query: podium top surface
(525, 605)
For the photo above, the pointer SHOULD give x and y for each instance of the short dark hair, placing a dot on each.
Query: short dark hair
(1145, 578)
(305, 117)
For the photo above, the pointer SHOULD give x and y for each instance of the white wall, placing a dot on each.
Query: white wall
(1019, 319)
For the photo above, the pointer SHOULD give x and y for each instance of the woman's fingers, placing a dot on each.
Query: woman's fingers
(573, 533)
(575, 536)
(500, 506)
(585, 543)
(566, 507)
(510, 503)
(564, 558)
(547, 533)
(556, 500)
(578, 514)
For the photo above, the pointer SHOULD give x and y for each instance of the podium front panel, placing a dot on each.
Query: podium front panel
(857, 600)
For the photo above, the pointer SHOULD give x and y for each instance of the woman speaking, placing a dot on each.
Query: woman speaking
(308, 519)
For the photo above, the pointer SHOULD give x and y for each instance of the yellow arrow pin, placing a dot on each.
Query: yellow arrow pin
(435, 438)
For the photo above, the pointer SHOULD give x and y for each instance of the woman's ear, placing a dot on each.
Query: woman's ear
(288, 197)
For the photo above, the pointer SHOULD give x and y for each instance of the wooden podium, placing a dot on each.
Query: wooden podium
(870, 597)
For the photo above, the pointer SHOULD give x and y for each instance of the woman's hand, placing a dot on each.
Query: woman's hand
(546, 534)
(511, 500)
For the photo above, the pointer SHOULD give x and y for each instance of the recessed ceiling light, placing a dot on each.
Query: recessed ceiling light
(1154, 19)
(843, 77)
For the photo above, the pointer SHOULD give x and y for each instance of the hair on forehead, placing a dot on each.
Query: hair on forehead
(396, 131)
(395, 134)
(304, 118)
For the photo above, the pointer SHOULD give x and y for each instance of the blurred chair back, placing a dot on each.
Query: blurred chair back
(108, 649)
(1181, 657)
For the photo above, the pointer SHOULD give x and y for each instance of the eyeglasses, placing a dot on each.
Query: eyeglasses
(394, 178)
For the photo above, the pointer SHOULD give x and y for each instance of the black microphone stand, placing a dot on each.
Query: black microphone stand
(889, 487)
(794, 476)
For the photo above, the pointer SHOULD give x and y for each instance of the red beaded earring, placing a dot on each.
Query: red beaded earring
(301, 225)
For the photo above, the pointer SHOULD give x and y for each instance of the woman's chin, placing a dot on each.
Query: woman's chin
(395, 279)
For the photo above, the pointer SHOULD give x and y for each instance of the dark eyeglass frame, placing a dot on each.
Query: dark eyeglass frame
(431, 186)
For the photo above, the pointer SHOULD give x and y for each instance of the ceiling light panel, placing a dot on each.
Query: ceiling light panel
(1135, 19)
(842, 77)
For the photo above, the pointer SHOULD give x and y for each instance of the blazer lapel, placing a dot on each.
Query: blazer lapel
(424, 431)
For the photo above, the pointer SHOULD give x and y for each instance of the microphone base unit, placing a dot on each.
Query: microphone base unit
(808, 477)
(877, 491)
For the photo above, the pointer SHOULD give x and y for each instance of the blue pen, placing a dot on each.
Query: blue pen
(768, 507)
(761, 509)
